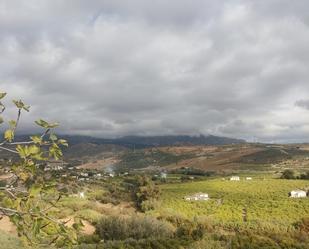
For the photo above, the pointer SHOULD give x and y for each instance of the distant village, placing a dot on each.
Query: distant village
(64, 171)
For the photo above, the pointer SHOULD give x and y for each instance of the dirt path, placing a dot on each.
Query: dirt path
(88, 228)
(7, 226)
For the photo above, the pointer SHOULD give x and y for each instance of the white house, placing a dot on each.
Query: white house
(197, 197)
(298, 194)
(163, 175)
(248, 178)
(234, 178)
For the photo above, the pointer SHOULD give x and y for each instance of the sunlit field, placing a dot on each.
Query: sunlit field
(262, 202)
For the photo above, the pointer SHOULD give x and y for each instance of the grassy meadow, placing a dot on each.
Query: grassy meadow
(263, 201)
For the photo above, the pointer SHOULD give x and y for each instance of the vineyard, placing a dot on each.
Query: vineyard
(261, 203)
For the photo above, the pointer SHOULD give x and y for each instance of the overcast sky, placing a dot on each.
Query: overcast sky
(235, 68)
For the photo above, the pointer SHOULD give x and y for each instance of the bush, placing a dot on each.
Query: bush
(138, 244)
(253, 242)
(303, 225)
(136, 227)
(149, 205)
(191, 231)
(288, 174)
(145, 193)
(305, 176)
(207, 243)
(89, 239)
(145, 244)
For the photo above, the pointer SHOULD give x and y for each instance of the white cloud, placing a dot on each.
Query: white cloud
(111, 68)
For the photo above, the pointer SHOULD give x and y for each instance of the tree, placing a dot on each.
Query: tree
(31, 198)
(288, 174)
(305, 176)
(146, 193)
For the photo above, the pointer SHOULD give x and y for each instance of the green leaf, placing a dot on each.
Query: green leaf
(45, 124)
(9, 135)
(36, 139)
(63, 142)
(12, 124)
(2, 95)
(20, 105)
(22, 151)
(53, 137)
(35, 190)
(33, 149)
(55, 151)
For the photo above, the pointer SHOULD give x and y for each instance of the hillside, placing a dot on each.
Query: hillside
(258, 157)
(151, 141)
(208, 153)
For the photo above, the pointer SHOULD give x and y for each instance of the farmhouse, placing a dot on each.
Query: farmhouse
(234, 178)
(248, 178)
(297, 194)
(197, 197)
(163, 175)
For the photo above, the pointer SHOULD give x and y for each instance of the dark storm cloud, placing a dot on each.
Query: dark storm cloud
(110, 68)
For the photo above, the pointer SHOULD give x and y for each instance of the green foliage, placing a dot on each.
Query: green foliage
(90, 215)
(136, 227)
(145, 158)
(267, 202)
(303, 225)
(191, 230)
(29, 209)
(8, 241)
(288, 174)
(305, 176)
(138, 244)
(208, 242)
(146, 193)
(45, 124)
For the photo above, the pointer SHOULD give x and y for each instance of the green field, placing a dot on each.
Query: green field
(266, 202)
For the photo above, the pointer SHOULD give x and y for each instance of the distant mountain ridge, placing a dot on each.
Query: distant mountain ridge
(152, 141)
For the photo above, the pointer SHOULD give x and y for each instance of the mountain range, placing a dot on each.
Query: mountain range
(153, 141)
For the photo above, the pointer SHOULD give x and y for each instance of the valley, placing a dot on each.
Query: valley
(103, 185)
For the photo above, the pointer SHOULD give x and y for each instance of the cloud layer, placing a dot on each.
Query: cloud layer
(110, 68)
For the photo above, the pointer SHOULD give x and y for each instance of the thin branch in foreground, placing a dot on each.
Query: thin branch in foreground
(9, 150)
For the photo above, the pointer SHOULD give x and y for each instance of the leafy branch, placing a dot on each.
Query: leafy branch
(33, 198)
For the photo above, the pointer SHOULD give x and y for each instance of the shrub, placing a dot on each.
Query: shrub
(288, 174)
(149, 205)
(145, 191)
(207, 243)
(191, 230)
(89, 239)
(251, 241)
(303, 225)
(136, 227)
(138, 244)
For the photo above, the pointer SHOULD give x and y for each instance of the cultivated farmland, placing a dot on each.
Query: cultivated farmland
(259, 203)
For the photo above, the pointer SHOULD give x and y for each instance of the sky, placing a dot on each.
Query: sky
(235, 68)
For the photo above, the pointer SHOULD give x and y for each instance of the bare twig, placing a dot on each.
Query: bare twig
(9, 150)
(17, 120)
(9, 192)
(9, 210)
